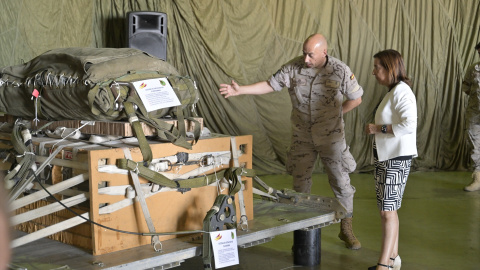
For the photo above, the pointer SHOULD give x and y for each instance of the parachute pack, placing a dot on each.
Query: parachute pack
(98, 84)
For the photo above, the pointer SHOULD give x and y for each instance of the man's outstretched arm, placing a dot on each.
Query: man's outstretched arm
(234, 89)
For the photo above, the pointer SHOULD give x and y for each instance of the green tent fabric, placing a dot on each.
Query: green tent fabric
(215, 41)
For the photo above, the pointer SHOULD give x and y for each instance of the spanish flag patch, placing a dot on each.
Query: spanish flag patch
(352, 77)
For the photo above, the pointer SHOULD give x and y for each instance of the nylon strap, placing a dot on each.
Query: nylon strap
(157, 245)
(181, 121)
(165, 131)
(137, 128)
(243, 213)
(171, 134)
(158, 178)
(20, 147)
(20, 186)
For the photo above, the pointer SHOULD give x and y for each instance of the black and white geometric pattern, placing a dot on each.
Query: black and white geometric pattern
(390, 181)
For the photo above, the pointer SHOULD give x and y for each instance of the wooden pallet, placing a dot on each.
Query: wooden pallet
(170, 211)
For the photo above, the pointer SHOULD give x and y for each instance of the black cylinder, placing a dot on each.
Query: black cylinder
(306, 247)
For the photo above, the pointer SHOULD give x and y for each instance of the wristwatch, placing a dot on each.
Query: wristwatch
(384, 129)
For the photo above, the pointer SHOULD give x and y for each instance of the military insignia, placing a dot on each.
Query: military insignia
(352, 77)
(332, 84)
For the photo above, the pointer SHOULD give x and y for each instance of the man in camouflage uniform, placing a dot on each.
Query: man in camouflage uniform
(317, 84)
(471, 86)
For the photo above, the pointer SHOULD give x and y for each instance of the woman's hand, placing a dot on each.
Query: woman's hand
(371, 129)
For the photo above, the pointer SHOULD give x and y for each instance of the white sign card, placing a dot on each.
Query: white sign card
(156, 94)
(225, 249)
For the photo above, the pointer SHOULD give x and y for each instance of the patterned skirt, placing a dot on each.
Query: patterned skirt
(390, 181)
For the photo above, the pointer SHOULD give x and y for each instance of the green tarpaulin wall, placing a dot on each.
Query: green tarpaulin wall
(248, 40)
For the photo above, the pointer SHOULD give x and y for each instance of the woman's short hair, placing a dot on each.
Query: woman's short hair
(392, 61)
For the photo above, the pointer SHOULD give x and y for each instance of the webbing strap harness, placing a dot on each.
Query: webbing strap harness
(221, 214)
(230, 174)
(223, 211)
(166, 131)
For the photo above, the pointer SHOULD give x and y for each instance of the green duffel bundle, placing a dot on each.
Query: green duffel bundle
(96, 84)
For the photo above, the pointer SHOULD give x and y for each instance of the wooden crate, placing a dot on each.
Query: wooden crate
(170, 211)
(79, 236)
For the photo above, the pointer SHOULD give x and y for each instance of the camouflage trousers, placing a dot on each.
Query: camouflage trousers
(337, 161)
(474, 135)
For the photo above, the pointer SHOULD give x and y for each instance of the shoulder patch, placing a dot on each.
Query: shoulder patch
(352, 77)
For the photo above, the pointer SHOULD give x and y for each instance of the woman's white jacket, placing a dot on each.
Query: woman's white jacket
(399, 109)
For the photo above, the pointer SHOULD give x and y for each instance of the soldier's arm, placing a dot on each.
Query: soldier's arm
(234, 89)
(349, 105)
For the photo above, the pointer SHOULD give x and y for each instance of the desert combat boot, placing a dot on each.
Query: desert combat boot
(475, 185)
(346, 234)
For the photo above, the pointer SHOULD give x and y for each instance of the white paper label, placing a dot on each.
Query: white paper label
(225, 249)
(156, 94)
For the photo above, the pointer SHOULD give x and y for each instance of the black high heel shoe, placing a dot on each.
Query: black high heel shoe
(379, 264)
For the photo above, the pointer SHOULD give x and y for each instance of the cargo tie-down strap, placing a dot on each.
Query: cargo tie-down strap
(157, 245)
(221, 214)
(137, 128)
(223, 211)
(176, 137)
(22, 144)
(165, 130)
(21, 174)
(243, 213)
(231, 174)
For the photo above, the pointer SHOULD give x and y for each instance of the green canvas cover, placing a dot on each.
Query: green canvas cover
(74, 84)
(96, 85)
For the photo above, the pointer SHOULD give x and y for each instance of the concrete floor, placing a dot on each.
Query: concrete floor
(439, 227)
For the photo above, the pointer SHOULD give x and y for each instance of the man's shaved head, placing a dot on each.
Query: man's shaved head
(315, 51)
(316, 40)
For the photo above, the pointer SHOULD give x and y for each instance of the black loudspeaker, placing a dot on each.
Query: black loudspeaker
(147, 31)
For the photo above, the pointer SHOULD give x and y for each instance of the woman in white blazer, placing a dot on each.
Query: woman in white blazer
(394, 147)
